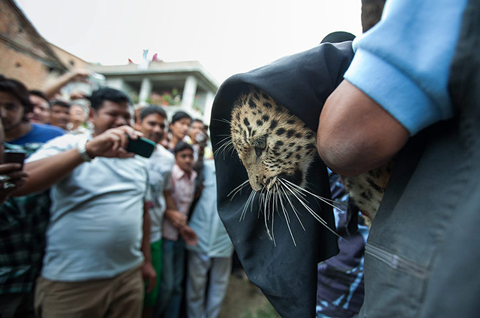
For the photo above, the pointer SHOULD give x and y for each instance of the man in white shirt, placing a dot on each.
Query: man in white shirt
(98, 238)
(152, 123)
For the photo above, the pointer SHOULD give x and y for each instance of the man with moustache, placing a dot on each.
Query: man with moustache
(98, 237)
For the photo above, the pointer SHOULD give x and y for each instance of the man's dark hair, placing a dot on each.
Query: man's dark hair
(17, 89)
(179, 116)
(182, 145)
(59, 102)
(41, 95)
(152, 109)
(106, 93)
(196, 120)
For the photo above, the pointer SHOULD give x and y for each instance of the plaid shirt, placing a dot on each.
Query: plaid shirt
(23, 222)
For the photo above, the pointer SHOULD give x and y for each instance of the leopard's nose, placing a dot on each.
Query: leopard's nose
(257, 186)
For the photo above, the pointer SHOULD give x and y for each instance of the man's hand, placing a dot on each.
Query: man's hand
(149, 276)
(178, 219)
(79, 75)
(112, 143)
(77, 95)
(11, 178)
(189, 235)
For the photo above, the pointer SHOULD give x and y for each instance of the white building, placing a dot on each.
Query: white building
(176, 85)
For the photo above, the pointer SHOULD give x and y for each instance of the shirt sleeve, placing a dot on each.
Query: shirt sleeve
(403, 63)
(54, 147)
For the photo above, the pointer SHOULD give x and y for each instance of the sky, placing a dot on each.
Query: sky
(226, 36)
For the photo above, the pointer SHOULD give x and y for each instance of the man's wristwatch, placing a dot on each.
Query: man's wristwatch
(82, 151)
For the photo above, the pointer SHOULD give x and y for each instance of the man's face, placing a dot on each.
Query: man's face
(184, 160)
(41, 110)
(180, 128)
(77, 114)
(153, 127)
(195, 129)
(12, 111)
(110, 115)
(59, 116)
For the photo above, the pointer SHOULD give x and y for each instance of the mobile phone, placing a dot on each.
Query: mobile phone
(14, 156)
(141, 146)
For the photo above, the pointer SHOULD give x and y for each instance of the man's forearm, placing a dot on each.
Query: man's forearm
(146, 235)
(170, 202)
(44, 173)
(355, 134)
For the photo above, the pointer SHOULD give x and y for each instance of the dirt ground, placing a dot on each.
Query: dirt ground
(245, 300)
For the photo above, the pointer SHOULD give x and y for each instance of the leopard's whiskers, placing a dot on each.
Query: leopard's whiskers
(250, 199)
(329, 202)
(309, 209)
(226, 145)
(293, 207)
(287, 221)
(223, 120)
(237, 189)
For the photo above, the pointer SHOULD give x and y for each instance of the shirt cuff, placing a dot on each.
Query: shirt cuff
(398, 94)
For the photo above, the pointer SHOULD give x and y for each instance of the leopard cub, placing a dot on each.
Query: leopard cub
(277, 148)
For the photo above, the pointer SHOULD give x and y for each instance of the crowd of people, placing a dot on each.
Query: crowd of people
(91, 230)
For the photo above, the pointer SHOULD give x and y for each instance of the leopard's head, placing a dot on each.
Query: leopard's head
(273, 144)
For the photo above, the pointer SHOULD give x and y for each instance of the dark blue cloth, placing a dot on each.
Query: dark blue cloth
(340, 288)
(284, 272)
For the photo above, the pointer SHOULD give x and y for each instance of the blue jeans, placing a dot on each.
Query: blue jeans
(171, 289)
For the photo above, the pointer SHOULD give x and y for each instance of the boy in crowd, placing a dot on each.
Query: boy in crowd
(151, 122)
(179, 127)
(175, 223)
(41, 108)
(60, 114)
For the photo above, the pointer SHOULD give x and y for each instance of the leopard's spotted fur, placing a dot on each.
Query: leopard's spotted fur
(274, 145)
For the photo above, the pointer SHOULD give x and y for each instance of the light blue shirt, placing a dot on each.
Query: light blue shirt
(96, 217)
(213, 239)
(409, 78)
(160, 166)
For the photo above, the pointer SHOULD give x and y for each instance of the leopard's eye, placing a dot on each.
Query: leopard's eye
(261, 142)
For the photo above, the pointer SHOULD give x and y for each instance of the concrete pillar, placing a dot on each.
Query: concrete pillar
(207, 107)
(116, 83)
(145, 90)
(189, 92)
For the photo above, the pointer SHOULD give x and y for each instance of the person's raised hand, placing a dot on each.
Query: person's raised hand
(80, 75)
(12, 177)
(112, 143)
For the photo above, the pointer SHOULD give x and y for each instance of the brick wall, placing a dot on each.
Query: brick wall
(24, 54)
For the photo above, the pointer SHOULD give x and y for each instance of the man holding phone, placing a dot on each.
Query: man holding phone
(96, 248)
(24, 219)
